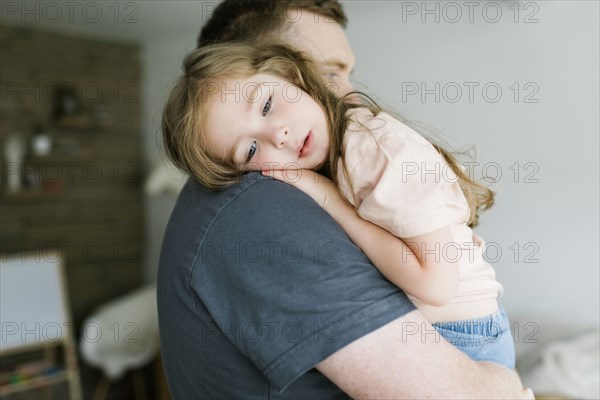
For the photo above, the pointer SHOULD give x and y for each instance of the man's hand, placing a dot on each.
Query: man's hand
(322, 190)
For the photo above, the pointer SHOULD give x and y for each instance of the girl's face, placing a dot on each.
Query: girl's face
(264, 122)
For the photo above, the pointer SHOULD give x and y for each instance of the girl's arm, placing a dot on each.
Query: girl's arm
(419, 268)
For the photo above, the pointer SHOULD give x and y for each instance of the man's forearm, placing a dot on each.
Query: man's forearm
(406, 359)
(496, 379)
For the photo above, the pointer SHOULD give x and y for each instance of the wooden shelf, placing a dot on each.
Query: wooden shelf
(42, 362)
(30, 194)
(92, 205)
(33, 383)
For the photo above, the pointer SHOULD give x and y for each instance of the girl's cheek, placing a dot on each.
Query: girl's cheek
(271, 160)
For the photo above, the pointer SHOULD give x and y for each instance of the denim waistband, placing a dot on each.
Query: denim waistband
(487, 325)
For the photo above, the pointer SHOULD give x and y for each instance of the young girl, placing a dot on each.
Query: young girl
(240, 108)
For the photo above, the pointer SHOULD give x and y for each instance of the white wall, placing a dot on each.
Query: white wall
(553, 221)
(555, 217)
(162, 58)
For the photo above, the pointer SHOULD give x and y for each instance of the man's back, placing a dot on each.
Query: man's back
(257, 285)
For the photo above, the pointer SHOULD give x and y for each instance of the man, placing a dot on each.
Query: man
(313, 26)
(262, 295)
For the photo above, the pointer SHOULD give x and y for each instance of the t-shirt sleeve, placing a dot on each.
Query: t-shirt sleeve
(276, 267)
(394, 176)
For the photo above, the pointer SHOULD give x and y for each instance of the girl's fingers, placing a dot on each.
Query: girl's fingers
(310, 182)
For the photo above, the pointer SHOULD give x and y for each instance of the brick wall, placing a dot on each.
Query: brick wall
(84, 197)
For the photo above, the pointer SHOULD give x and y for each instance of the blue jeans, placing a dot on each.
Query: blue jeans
(483, 339)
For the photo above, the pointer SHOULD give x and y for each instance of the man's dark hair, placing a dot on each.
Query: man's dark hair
(255, 20)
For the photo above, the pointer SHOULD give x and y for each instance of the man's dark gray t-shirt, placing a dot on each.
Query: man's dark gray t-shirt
(256, 285)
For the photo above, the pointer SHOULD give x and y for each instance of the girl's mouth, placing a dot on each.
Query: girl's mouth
(307, 146)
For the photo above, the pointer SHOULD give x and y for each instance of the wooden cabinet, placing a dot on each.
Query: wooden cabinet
(37, 350)
(42, 370)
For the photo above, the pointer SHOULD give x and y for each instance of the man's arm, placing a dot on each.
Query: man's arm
(407, 359)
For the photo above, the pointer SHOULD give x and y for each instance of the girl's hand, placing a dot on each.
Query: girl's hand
(323, 190)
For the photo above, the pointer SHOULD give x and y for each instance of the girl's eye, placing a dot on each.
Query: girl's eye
(251, 151)
(267, 106)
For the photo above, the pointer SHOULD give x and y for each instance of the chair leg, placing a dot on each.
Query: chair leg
(101, 389)
(162, 389)
(139, 385)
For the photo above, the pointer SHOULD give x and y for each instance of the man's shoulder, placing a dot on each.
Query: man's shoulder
(253, 190)
(255, 202)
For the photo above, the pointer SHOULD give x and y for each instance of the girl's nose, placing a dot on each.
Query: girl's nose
(280, 138)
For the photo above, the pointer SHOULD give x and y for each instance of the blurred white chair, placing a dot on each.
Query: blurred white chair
(122, 335)
(164, 178)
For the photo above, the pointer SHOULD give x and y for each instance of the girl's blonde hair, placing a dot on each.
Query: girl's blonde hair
(207, 67)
